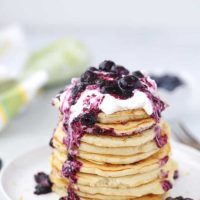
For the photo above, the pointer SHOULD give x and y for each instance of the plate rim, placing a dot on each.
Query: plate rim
(3, 170)
(174, 144)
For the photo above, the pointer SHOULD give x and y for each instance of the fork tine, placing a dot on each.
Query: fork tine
(182, 136)
(176, 133)
(194, 143)
(187, 132)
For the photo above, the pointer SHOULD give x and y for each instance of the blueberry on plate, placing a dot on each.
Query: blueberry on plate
(42, 190)
(106, 65)
(44, 184)
(119, 70)
(178, 198)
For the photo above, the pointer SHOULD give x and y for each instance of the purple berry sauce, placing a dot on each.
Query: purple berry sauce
(163, 161)
(111, 79)
(163, 174)
(160, 140)
(166, 185)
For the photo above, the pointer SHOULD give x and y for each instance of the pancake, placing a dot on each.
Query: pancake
(152, 187)
(127, 128)
(121, 151)
(125, 141)
(116, 159)
(116, 182)
(111, 141)
(122, 116)
(113, 155)
(84, 196)
(109, 170)
(60, 135)
(103, 197)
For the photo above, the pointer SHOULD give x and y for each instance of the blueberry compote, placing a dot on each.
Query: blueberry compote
(87, 94)
(166, 185)
(164, 160)
(160, 139)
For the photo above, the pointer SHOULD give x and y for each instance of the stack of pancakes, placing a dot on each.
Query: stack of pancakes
(126, 165)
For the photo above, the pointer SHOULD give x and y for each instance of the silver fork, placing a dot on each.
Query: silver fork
(182, 134)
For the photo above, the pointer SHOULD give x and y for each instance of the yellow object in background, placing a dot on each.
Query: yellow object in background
(49, 66)
(12, 101)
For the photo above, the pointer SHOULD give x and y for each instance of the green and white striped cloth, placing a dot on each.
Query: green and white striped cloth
(51, 65)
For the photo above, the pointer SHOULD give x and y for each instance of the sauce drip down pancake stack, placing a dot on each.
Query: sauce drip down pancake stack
(111, 142)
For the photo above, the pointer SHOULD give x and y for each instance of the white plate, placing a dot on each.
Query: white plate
(17, 181)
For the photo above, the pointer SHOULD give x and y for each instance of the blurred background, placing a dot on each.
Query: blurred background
(43, 43)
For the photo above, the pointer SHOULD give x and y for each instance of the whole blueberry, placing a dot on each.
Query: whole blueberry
(119, 70)
(44, 184)
(42, 178)
(128, 82)
(138, 74)
(93, 69)
(88, 119)
(88, 77)
(106, 65)
(102, 82)
(110, 88)
(178, 198)
(42, 190)
(77, 89)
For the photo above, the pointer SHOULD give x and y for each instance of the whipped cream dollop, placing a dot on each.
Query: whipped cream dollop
(110, 104)
(93, 99)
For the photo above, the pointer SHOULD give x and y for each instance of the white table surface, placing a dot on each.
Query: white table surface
(173, 49)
